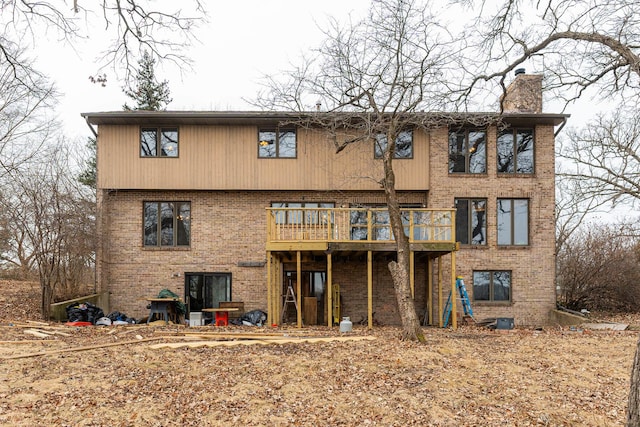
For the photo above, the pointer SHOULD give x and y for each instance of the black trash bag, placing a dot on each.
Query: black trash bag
(255, 317)
(116, 315)
(93, 313)
(84, 312)
(76, 312)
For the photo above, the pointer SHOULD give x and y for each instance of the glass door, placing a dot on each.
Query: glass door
(206, 290)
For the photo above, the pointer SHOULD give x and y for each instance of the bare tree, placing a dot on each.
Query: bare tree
(24, 120)
(604, 158)
(373, 78)
(584, 46)
(53, 222)
(598, 268)
(132, 27)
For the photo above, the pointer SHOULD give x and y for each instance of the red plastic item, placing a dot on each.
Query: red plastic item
(79, 324)
(222, 318)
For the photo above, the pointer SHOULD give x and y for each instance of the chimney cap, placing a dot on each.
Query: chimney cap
(519, 71)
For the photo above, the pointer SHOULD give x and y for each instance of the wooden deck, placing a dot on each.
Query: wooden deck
(357, 229)
(294, 234)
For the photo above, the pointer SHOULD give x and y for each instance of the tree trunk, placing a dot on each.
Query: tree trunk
(411, 328)
(47, 297)
(633, 417)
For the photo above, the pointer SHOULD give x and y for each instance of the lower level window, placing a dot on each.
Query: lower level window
(167, 224)
(492, 286)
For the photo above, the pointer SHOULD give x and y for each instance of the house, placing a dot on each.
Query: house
(238, 206)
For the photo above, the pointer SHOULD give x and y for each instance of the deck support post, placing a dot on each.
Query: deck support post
(270, 292)
(370, 289)
(454, 299)
(440, 311)
(412, 279)
(299, 286)
(329, 291)
(430, 290)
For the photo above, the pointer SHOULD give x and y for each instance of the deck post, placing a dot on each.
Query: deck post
(270, 292)
(454, 299)
(412, 269)
(329, 291)
(440, 278)
(299, 286)
(430, 290)
(370, 289)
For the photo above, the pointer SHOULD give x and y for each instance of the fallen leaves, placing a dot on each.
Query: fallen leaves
(111, 376)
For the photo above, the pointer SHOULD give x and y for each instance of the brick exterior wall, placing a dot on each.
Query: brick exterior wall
(532, 266)
(228, 232)
(227, 229)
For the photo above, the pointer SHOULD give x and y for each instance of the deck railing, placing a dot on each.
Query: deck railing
(358, 224)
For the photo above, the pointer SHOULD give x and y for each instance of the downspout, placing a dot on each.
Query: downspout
(95, 268)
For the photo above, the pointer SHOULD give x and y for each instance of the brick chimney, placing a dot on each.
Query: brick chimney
(524, 94)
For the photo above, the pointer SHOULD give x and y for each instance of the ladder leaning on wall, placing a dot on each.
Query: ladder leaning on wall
(464, 299)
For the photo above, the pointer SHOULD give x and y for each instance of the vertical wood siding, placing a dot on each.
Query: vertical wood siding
(226, 158)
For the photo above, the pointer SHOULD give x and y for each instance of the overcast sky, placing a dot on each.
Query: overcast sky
(243, 41)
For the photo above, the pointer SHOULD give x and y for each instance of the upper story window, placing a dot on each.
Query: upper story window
(468, 151)
(403, 149)
(513, 222)
(158, 142)
(167, 224)
(277, 143)
(515, 151)
(471, 222)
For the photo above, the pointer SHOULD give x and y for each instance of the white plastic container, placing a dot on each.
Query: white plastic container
(346, 325)
(195, 318)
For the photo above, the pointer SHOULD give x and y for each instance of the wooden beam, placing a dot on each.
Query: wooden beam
(270, 293)
(264, 341)
(412, 279)
(430, 290)
(329, 290)
(454, 299)
(440, 278)
(370, 289)
(299, 286)
(76, 349)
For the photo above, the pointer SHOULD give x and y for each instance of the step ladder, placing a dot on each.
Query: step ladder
(464, 298)
(290, 297)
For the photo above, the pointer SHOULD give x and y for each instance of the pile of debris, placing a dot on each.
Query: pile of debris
(85, 314)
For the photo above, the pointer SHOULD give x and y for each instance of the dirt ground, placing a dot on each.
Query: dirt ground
(68, 376)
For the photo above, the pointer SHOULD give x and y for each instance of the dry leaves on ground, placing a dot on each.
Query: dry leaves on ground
(469, 377)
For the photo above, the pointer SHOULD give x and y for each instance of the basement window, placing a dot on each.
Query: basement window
(492, 286)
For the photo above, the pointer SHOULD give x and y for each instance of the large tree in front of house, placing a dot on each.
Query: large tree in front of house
(372, 79)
